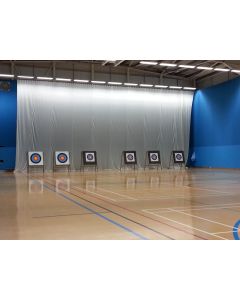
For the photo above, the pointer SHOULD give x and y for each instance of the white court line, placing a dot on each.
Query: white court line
(224, 232)
(87, 191)
(123, 196)
(206, 208)
(200, 218)
(179, 223)
(202, 189)
(190, 207)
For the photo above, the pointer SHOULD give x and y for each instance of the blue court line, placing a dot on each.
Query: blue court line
(99, 215)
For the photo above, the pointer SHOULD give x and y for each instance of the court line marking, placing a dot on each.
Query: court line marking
(117, 214)
(124, 196)
(189, 207)
(185, 225)
(69, 215)
(204, 208)
(225, 232)
(201, 218)
(81, 189)
(135, 212)
(99, 215)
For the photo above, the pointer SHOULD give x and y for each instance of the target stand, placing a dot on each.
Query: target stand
(128, 158)
(35, 160)
(177, 158)
(89, 159)
(61, 159)
(153, 159)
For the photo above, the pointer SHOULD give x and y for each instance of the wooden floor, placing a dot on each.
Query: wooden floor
(168, 205)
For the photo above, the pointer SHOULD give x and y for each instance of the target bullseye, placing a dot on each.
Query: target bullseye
(35, 158)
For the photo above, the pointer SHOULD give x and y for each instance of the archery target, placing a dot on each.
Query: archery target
(178, 157)
(62, 158)
(154, 157)
(35, 158)
(90, 157)
(130, 157)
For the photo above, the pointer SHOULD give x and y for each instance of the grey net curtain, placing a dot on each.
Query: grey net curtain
(64, 116)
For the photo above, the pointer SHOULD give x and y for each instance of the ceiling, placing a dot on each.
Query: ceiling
(129, 70)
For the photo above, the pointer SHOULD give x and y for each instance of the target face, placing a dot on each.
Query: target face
(35, 158)
(90, 157)
(130, 157)
(178, 157)
(62, 158)
(154, 157)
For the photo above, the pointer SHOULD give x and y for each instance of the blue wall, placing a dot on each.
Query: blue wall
(215, 126)
(8, 125)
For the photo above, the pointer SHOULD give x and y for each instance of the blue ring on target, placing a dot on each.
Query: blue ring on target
(235, 230)
(35, 158)
(62, 158)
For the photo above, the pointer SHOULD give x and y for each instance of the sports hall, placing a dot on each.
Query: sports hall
(119, 150)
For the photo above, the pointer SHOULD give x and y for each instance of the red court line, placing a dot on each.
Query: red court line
(137, 213)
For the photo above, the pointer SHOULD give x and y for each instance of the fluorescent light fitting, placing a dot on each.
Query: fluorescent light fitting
(7, 75)
(187, 66)
(161, 86)
(204, 68)
(168, 65)
(130, 84)
(45, 78)
(153, 63)
(81, 80)
(189, 88)
(235, 71)
(98, 82)
(115, 83)
(25, 77)
(221, 70)
(63, 79)
(146, 85)
(175, 87)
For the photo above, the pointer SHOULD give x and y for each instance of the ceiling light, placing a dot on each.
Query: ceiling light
(161, 86)
(187, 66)
(175, 87)
(130, 84)
(114, 83)
(168, 65)
(221, 70)
(146, 85)
(153, 63)
(63, 79)
(98, 82)
(45, 78)
(81, 80)
(204, 68)
(7, 75)
(25, 77)
(235, 71)
(189, 88)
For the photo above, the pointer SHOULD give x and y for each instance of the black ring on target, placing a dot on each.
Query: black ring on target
(35, 158)
(62, 158)
(130, 157)
(154, 156)
(90, 156)
(179, 156)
